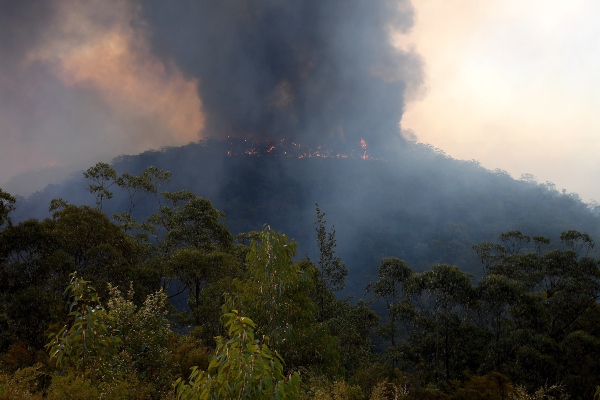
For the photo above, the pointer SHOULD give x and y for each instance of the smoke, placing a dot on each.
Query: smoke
(83, 81)
(79, 84)
(310, 71)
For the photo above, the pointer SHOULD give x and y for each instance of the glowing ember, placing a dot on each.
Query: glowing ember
(282, 148)
(363, 144)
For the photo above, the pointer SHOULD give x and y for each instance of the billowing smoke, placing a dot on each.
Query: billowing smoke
(79, 84)
(83, 81)
(310, 71)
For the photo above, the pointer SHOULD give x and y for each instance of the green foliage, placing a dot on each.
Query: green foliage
(535, 306)
(337, 390)
(75, 388)
(196, 270)
(532, 318)
(7, 204)
(144, 334)
(188, 351)
(197, 224)
(393, 273)
(37, 256)
(23, 384)
(276, 294)
(353, 325)
(102, 177)
(513, 241)
(27, 287)
(195, 249)
(387, 390)
(331, 271)
(441, 300)
(95, 247)
(146, 184)
(87, 345)
(576, 241)
(242, 367)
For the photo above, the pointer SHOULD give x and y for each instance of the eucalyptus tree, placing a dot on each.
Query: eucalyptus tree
(393, 274)
(331, 272)
(276, 294)
(443, 299)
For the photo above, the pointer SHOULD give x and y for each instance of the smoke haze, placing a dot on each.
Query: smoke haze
(84, 81)
(79, 84)
(311, 71)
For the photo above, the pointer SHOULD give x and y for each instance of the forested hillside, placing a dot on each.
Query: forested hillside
(86, 305)
(412, 202)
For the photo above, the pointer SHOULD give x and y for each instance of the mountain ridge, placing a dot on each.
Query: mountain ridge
(417, 204)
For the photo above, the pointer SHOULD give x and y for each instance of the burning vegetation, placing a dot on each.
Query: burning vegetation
(286, 148)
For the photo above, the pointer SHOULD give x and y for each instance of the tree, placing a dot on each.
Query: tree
(28, 284)
(243, 367)
(576, 241)
(87, 345)
(102, 177)
(197, 224)
(7, 204)
(331, 271)
(99, 250)
(443, 298)
(538, 307)
(393, 273)
(498, 295)
(276, 294)
(140, 187)
(196, 272)
(514, 241)
(489, 254)
(144, 333)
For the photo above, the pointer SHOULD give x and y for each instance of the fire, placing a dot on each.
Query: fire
(254, 147)
(363, 144)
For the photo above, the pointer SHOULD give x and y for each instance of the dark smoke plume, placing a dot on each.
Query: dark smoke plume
(310, 71)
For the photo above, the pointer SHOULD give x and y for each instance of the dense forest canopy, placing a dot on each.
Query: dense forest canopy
(442, 308)
(419, 204)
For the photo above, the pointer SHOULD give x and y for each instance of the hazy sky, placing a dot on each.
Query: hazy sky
(78, 84)
(513, 84)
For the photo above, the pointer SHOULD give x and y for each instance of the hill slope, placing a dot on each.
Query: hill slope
(419, 204)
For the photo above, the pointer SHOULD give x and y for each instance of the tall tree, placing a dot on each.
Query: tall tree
(393, 273)
(443, 297)
(331, 271)
(276, 295)
(103, 176)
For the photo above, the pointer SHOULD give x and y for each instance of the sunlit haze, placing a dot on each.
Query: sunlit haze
(512, 84)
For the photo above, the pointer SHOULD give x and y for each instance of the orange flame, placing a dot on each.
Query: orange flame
(282, 148)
